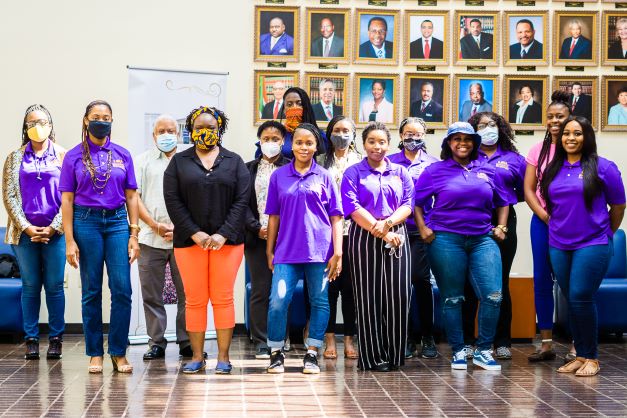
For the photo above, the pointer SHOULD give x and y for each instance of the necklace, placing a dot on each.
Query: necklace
(100, 179)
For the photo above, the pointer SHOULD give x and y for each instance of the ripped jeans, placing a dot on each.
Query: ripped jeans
(284, 280)
(455, 257)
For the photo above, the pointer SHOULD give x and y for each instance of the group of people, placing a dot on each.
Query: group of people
(309, 206)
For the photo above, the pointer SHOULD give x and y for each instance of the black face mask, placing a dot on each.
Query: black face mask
(99, 129)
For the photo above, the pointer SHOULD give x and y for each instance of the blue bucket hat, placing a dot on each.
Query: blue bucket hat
(462, 128)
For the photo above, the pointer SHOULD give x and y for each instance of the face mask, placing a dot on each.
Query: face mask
(166, 142)
(413, 144)
(293, 118)
(39, 133)
(489, 135)
(270, 149)
(341, 141)
(205, 139)
(99, 129)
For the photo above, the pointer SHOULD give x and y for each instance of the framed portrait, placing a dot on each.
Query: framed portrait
(614, 40)
(327, 37)
(525, 101)
(376, 36)
(426, 38)
(477, 36)
(426, 97)
(376, 99)
(575, 39)
(329, 95)
(270, 86)
(526, 38)
(277, 34)
(614, 103)
(473, 94)
(584, 95)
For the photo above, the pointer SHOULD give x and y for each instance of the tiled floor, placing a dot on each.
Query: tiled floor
(421, 388)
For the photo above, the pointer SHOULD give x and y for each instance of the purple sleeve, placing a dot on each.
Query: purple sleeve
(613, 186)
(408, 189)
(67, 182)
(131, 182)
(350, 195)
(519, 177)
(499, 192)
(273, 205)
(423, 191)
(335, 204)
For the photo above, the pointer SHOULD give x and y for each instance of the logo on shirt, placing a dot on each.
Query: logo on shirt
(581, 175)
(118, 164)
(502, 164)
(483, 176)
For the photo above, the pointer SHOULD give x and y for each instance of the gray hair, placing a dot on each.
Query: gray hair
(165, 117)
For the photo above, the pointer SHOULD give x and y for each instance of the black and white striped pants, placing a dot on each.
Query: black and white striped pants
(382, 292)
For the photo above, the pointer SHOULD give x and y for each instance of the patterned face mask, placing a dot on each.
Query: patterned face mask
(205, 139)
(293, 118)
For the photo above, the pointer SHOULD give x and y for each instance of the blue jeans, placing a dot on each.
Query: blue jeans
(42, 264)
(455, 257)
(579, 274)
(542, 276)
(102, 237)
(284, 280)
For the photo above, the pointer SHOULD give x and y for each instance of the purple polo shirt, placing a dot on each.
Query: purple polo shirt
(510, 169)
(571, 225)
(305, 203)
(464, 198)
(75, 177)
(415, 169)
(379, 193)
(39, 184)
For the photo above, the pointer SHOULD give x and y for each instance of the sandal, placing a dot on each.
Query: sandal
(94, 368)
(351, 354)
(330, 353)
(594, 368)
(572, 366)
(121, 368)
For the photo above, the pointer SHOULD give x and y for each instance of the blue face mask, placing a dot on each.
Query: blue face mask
(166, 142)
(99, 129)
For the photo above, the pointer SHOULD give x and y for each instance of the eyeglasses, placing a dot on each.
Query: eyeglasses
(40, 122)
(481, 126)
(412, 135)
(378, 32)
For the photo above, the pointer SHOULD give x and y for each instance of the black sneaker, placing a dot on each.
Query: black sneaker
(262, 353)
(55, 348)
(409, 350)
(32, 349)
(310, 364)
(429, 350)
(277, 358)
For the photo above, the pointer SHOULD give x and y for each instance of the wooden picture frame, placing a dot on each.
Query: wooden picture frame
(363, 48)
(612, 120)
(517, 88)
(265, 84)
(417, 22)
(435, 109)
(462, 86)
(365, 86)
(467, 51)
(339, 49)
(316, 88)
(287, 48)
(587, 104)
(611, 46)
(585, 52)
(518, 50)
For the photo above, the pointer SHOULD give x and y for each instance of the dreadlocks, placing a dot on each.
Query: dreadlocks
(29, 110)
(98, 179)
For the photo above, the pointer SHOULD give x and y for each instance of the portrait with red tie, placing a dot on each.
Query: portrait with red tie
(426, 38)
(575, 38)
(270, 86)
(583, 95)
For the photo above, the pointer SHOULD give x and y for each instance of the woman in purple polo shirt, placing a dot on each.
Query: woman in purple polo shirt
(578, 186)
(99, 199)
(33, 202)
(414, 158)
(304, 240)
(498, 149)
(377, 196)
(464, 190)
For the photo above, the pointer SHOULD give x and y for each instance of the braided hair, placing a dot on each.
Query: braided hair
(559, 98)
(218, 115)
(305, 102)
(86, 155)
(29, 110)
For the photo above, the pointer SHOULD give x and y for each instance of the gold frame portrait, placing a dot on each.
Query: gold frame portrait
(595, 98)
(295, 57)
(594, 38)
(348, 33)
(345, 91)
(446, 86)
(605, 38)
(357, 95)
(257, 120)
(456, 28)
(546, 39)
(505, 106)
(395, 36)
(604, 103)
(407, 41)
(455, 88)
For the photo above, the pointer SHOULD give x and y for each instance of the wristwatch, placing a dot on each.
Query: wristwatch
(503, 228)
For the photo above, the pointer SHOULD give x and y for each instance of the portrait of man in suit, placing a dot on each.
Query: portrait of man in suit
(273, 109)
(326, 109)
(329, 44)
(525, 109)
(527, 47)
(477, 44)
(476, 102)
(426, 107)
(426, 46)
(277, 41)
(377, 46)
(580, 103)
(576, 46)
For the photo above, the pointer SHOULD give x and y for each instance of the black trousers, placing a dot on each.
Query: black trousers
(342, 285)
(381, 286)
(421, 281)
(261, 284)
(503, 335)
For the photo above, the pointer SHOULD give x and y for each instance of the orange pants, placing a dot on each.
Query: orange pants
(209, 276)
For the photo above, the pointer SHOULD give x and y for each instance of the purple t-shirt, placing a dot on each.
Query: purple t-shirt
(510, 168)
(415, 169)
(305, 203)
(464, 197)
(39, 184)
(571, 225)
(75, 177)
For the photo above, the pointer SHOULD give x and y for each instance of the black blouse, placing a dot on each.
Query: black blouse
(212, 201)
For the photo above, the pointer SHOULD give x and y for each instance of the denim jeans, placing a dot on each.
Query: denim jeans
(284, 280)
(42, 264)
(542, 275)
(102, 237)
(579, 274)
(453, 258)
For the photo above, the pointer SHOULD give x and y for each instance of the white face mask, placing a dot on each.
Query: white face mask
(270, 149)
(489, 135)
